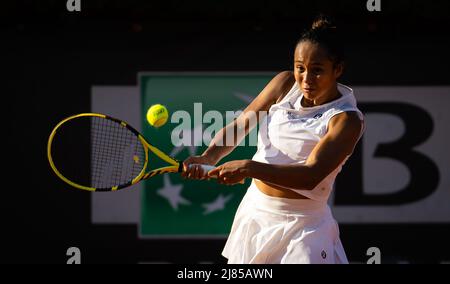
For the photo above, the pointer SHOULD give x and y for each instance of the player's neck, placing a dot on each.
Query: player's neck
(332, 95)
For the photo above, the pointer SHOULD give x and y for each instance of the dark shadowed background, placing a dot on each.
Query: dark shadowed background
(50, 58)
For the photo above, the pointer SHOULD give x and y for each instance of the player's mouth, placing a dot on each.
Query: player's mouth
(309, 90)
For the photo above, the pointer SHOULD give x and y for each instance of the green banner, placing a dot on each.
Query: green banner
(177, 207)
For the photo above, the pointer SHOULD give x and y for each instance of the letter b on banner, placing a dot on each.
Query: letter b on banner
(424, 173)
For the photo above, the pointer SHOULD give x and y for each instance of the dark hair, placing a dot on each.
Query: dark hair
(324, 32)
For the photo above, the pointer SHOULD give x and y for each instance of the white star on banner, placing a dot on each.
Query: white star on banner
(172, 193)
(216, 205)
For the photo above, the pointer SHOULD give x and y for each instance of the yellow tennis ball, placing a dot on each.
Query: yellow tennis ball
(157, 115)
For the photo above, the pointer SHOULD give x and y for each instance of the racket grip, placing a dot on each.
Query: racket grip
(207, 168)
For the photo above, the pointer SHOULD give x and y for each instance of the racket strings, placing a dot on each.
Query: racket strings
(117, 155)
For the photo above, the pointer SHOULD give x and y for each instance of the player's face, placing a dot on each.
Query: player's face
(315, 72)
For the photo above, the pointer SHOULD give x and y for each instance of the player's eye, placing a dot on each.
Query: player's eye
(317, 71)
(301, 69)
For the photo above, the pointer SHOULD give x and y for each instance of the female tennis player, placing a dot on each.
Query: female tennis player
(311, 128)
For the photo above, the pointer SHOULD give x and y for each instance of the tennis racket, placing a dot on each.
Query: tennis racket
(96, 152)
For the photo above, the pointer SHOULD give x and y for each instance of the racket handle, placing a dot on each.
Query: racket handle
(207, 168)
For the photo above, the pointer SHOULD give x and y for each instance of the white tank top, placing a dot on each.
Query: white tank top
(290, 132)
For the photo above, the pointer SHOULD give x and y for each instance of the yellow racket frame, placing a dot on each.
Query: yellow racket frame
(175, 165)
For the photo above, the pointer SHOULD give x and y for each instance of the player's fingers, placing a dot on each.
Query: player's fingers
(186, 167)
(202, 173)
(224, 178)
(223, 173)
(228, 181)
(214, 172)
(187, 163)
(196, 174)
(190, 171)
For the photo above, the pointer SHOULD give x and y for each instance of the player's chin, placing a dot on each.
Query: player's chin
(310, 94)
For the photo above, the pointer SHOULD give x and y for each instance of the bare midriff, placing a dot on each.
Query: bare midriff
(276, 191)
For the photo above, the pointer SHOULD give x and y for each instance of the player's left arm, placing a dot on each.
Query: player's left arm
(339, 142)
(343, 133)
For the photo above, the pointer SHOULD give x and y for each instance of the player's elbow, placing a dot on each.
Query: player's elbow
(315, 176)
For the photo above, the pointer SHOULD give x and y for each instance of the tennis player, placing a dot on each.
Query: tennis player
(311, 127)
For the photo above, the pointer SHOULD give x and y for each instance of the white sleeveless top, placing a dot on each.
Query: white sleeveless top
(290, 132)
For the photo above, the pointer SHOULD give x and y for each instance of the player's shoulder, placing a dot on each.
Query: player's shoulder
(285, 78)
(348, 120)
(284, 82)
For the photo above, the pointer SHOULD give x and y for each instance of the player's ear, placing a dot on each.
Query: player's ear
(338, 69)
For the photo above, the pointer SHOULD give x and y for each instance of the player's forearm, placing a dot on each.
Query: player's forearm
(288, 176)
(224, 142)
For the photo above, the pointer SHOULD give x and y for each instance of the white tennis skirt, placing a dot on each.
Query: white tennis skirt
(280, 230)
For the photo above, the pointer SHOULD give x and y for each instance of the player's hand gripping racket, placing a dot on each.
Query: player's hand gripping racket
(97, 152)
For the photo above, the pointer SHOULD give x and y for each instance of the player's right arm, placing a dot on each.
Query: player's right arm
(236, 131)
